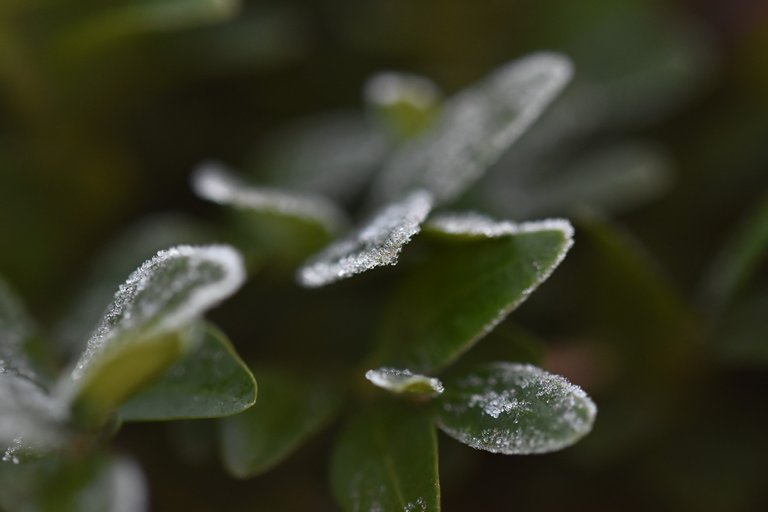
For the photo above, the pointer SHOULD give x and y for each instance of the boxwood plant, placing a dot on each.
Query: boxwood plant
(153, 357)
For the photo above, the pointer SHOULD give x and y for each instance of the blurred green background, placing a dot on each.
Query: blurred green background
(105, 109)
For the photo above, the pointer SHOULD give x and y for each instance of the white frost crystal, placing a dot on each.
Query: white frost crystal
(213, 182)
(481, 226)
(165, 294)
(404, 381)
(476, 127)
(515, 409)
(375, 244)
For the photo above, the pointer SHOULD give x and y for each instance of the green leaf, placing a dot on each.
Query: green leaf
(290, 409)
(405, 104)
(476, 272)
(376, 243)
(400, 381)
(210, 381)
(475, 128)
(386, 459)
(147, 327)
(740, 258)
(31, 421)
(514, 409)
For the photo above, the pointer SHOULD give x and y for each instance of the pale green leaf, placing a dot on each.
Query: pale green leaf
(405, 104)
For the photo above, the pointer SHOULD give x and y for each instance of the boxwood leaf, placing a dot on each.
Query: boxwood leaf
(31, 421)
(378, 242)
(147, 326)
(386, 459)
(399, 380)
(476, 127)
(208, 382)
(476, 273)
(514, 409)
(290, 409)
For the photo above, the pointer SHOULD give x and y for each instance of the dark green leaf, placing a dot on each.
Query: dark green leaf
(386, 459)
(290, 409)
(475, 274)
(514, 409)
(208, 382)
(146, 329)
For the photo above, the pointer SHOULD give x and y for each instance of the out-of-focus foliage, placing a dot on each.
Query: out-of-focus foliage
(656, 150)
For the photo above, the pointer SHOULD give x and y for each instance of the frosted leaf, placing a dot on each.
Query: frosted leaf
(167, 293)
(475, 225)
(332, 155)
(15, 330)
(404, 381)
(476, 127)
(31, 421)
(213, 182)
(123, 254)
(376, 243)
(514, 409)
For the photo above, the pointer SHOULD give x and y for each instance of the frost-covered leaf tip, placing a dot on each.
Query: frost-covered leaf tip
(376, 243)
(399, 380)
(212, 181)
